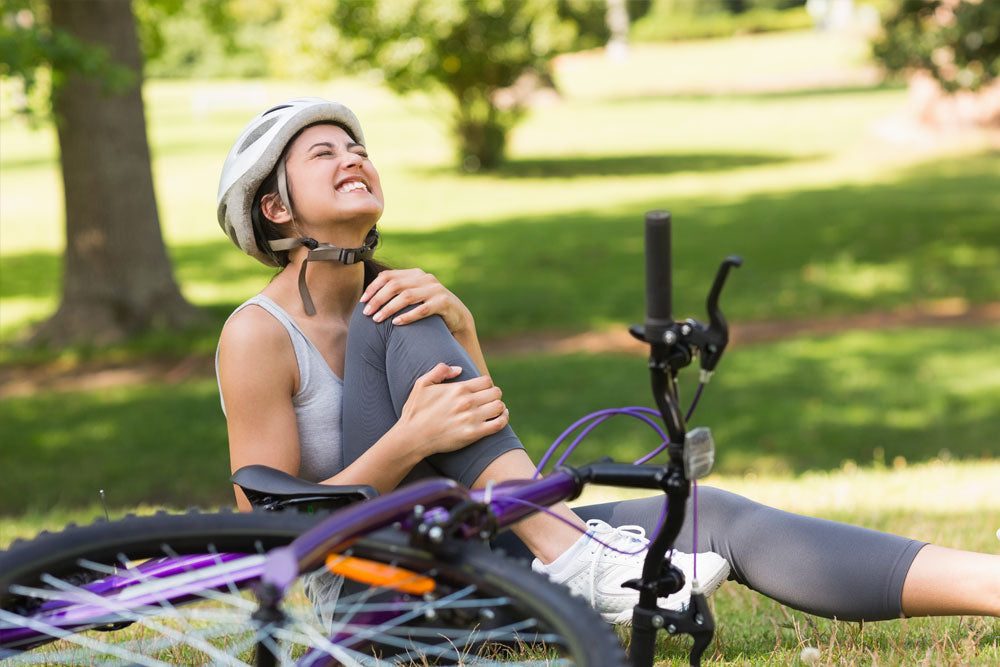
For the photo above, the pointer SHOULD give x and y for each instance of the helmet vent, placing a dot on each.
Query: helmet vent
(256, 134)
(277, 108)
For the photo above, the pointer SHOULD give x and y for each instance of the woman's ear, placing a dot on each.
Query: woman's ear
(274, 209)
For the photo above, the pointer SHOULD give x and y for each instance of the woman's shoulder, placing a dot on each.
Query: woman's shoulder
(252, 324)
(255, 344)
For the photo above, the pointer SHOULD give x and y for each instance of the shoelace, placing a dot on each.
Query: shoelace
(631, 533)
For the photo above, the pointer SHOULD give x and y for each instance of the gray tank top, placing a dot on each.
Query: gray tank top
(317, 403)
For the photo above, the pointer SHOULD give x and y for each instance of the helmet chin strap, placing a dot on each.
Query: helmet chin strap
(318, 252)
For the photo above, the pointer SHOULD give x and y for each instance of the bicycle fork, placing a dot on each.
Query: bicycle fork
(661, 578)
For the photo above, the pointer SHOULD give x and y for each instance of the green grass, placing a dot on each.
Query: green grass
(803, 404)
(891, 429)
(928, 235)
(924, 233)
(830, 220)
(670, 25)
(952, 504)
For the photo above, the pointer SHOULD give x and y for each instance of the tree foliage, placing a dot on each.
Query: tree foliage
(193, 38)
(955, 41)
(472, 49)
(42, 57)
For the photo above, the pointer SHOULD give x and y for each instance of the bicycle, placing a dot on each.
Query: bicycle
(426, 586)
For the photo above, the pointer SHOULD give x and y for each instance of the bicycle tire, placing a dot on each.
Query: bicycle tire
(480, 597)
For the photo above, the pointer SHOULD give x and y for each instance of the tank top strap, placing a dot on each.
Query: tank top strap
(317, 403)
(306, 354)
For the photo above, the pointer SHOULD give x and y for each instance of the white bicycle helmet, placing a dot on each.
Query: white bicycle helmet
(254, 155)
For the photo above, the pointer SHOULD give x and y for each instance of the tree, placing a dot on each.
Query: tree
(955, 41)
(475, 50)
(950, 52)
(117, 279)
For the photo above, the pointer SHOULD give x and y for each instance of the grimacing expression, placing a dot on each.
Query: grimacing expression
(331, 180)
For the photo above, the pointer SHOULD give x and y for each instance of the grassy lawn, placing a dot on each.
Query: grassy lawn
(786, 407)
(893, 429)
(829, 220)
(952, 504)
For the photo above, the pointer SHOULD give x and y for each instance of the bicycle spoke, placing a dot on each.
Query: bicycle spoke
(82, 640)
(124, 613)
(131, 600)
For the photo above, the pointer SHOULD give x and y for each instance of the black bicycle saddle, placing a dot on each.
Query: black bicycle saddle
(274, 489)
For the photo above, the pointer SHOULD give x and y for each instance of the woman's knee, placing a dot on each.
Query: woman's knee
(726, 506)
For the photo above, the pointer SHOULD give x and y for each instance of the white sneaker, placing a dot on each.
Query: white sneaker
(596, 573)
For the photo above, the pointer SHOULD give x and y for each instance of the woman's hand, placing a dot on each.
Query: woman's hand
(443, 417)
(391, 291)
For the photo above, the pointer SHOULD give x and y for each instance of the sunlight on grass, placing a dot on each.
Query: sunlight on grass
(919, 497)
(741, 62)
(843, 274)
(790, 406)
(17, 312)
(953, 504)
(829, 219)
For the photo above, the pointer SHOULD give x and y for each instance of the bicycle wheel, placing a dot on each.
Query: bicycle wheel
(481, 608)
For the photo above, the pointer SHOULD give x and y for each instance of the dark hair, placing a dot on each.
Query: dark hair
(265, 230)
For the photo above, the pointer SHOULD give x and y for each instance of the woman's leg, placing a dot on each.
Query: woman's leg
(545, 537)
(821, 567)
(945, 581)
(383, 361)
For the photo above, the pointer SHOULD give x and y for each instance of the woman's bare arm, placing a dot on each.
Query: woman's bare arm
(259, 375)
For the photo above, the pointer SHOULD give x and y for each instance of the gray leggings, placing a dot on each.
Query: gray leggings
(821, 567)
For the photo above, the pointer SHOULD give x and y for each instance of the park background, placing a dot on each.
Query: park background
(864, 376)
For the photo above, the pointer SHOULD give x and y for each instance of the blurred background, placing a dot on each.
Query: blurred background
(848, 150)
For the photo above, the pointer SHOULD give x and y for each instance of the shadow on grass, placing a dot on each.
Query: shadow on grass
(154, 444)
(930, 234)
(808, 403)
(761, 95)
(30, 274)
(635, 165)
(787, 407)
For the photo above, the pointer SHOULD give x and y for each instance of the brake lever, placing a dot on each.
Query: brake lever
(712, 341)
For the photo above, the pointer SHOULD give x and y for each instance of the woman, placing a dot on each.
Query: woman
(348, 374)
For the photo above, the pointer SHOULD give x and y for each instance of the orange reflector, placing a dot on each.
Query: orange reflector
(379, 574)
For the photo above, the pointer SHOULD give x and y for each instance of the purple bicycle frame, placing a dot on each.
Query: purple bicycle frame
(93, 605)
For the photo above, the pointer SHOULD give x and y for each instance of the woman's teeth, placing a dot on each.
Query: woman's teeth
(351, 186)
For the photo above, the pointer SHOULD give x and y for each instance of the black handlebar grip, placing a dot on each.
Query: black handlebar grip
(658, 275)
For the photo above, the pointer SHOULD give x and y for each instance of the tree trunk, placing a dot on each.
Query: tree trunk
(117, 279)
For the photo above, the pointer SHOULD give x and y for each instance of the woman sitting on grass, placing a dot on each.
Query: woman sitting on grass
(349, 373)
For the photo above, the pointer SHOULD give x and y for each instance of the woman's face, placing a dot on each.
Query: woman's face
(331, 180)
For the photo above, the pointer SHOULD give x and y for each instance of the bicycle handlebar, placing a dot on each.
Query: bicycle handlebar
(658, 276)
